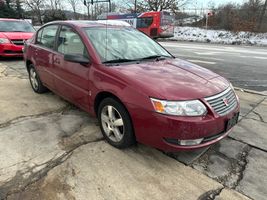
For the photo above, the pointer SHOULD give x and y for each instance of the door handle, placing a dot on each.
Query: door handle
(57, 61)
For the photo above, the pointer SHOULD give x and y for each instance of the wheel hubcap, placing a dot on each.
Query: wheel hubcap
(112, 123)
(33, 79)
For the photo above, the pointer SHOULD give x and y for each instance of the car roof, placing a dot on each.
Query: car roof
(11, 19)
(94, 23)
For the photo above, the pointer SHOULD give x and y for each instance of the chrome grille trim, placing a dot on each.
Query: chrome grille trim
(217, 101)
(18, 42)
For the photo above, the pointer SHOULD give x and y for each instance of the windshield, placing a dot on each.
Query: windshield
(15, 26)
(124, 43)
(166, 19)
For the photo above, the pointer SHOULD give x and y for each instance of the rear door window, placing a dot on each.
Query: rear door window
(69, 42)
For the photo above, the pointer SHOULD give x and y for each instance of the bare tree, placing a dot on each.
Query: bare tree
(73, 4)
(103, 9)
(54, 4)
(155, 5)
(36, 7)
(88, 6)
(160, 5)
(133, 5)
(262, 15)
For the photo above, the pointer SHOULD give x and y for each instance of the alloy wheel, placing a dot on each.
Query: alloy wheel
(112, 123)
(33, 79)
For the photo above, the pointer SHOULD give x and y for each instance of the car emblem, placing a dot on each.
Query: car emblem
(226, 101)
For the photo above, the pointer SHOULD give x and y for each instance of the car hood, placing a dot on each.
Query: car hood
(16, 35)
(172, 79)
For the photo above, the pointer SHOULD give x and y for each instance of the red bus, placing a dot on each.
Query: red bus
(154, 24)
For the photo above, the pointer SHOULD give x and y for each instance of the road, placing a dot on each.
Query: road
(244, 66)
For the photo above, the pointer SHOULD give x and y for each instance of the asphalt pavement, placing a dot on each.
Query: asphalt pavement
(52, 150)
(244, 66)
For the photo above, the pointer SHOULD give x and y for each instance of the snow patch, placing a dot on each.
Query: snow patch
(194, 34)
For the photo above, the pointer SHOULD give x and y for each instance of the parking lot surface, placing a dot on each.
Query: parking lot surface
(244, 66)
(50, 149)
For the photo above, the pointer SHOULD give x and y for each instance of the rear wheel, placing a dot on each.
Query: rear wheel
(35, 81)
(115, 123)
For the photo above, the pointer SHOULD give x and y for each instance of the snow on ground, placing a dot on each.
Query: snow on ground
(194, 34)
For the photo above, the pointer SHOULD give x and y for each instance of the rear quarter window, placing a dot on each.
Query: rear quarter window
(46, 36)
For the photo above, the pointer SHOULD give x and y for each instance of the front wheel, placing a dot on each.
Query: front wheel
(35, 81)
(115, 123)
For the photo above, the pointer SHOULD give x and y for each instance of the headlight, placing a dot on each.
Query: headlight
(4, 41)
(179, 108)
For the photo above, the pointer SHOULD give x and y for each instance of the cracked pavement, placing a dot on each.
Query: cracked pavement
(49, 149)
(238, 162)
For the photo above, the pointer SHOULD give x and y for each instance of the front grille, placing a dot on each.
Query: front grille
(224, 102)
(18, 42)
(12, 52)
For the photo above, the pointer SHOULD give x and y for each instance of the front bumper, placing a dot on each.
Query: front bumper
(162, 131)
(11, 50)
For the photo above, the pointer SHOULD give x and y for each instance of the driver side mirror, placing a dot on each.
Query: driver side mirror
(76, 58)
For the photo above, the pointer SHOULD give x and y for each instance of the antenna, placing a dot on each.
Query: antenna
(108, 10)
(106, 48)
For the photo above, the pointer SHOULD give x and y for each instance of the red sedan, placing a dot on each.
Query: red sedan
(13, 34)
(136, 88)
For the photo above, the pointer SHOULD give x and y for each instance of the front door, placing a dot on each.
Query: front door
(71, 79)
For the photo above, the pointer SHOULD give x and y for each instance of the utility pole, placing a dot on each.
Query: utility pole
(135, 6)
(209, 14)
(262, 15)
(88, 11)
(207, 21)
(92, 2)
(87, 4)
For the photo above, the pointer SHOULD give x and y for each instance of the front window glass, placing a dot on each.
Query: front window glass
(123, 43)
(69, 42)
(16, 26)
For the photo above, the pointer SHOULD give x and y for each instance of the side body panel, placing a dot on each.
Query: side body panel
(72, 81)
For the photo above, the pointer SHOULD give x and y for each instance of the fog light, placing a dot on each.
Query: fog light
(190, 142)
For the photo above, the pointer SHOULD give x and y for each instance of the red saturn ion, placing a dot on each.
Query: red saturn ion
(13, 34)
(136, 88)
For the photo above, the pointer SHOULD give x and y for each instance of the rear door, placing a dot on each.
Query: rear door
(44, 53)
(71, 79)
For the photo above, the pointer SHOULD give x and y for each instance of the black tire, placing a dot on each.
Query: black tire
(128, 138)
(37, 85)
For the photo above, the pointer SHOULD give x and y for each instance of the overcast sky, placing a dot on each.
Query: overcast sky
(206, 3)
(195, 4)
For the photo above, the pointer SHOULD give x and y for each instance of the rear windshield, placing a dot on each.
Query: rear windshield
(16, 26)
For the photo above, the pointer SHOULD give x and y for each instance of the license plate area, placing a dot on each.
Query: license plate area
(232, 122)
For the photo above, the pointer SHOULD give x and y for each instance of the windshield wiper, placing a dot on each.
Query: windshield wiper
(156, 57)
(120, 60)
